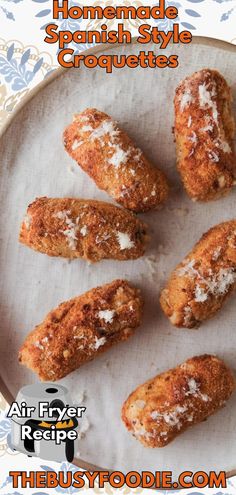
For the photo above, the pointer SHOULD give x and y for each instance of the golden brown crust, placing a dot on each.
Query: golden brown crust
(77, 228)
(165, 406)
(112, 160)
(80, 329)
(199, 285)
(204, 133)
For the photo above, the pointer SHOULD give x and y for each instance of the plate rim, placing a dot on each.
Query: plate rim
(204, 40)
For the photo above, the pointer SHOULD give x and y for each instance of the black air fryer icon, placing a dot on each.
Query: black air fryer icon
(58, 397)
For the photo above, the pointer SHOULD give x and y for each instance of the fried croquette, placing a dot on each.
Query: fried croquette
(204, 133)
(79, 228)
(107, 154)
(80, 329)
(165, 406)
(199, 285)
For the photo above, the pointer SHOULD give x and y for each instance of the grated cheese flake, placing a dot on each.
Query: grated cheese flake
(107, 315)
(124, 241)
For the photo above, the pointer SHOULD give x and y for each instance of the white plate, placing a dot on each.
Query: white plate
(34, 163)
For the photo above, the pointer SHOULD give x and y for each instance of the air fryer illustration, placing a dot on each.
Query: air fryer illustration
(57, 396)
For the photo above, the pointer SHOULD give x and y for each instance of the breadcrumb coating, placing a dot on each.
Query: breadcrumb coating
(80, 228)
(165, 406)
(204, 133)
(199, 285)
(107, 154)
(80, 329)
